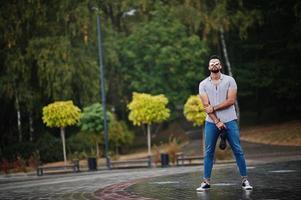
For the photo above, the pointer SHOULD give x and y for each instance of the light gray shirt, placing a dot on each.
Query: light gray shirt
(217, 94)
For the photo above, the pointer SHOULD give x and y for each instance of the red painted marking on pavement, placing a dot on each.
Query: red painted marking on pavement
(117, 192)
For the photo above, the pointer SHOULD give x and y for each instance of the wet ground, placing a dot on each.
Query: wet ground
(274, 171)
(270, 181)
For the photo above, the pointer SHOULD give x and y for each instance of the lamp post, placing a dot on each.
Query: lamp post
(102, 84)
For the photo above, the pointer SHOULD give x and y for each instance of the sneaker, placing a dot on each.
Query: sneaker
(204, 186)
(246, 185)
(223, 143)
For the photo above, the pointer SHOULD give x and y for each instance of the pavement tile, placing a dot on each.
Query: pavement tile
(87, 185)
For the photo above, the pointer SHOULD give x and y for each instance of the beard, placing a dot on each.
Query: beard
(214, 70)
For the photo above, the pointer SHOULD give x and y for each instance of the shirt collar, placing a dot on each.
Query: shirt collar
(221, 78)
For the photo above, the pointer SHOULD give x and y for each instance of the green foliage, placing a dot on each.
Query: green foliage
(119, 134)
(13, 151)
(61, 114)
(160, 51)
(52, 56)
(83, 142)
(206, 18)
(91, 119)
(148, 109)
(194, 110)
(49, 52)
(49, 148)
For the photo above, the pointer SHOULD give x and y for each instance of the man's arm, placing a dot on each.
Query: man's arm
(225, 104)
(212, 115)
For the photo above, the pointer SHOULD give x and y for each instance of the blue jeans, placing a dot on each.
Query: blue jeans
(211, 135)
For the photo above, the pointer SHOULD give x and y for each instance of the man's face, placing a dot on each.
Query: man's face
(214, 65)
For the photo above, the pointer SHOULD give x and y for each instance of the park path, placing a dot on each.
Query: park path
(91, 185)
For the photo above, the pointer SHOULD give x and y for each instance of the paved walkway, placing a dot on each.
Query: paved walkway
(77, 186)
(116, 183)
(279, 180)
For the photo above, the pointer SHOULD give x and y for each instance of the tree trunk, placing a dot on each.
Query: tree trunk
(63, 141)
(97, 150)
(19, 118)
(225, 52)
(31, 129)
(116, 149)
(149, 139)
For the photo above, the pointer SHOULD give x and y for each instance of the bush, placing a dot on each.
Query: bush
(50, 148)
(24, 150)
(81, 142)
(19, 165)
(156, 158)
(34, 160)
(173, 147)
(4, 166)
(120, 137)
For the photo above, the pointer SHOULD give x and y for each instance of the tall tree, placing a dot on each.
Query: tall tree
(147, 109)
(91, 121)
(160, 51)
(214, 19)
(61, 114)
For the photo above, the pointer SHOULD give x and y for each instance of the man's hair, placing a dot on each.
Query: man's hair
(215, 57)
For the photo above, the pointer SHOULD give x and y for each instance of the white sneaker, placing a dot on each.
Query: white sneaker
(204, 186)
(246, 185)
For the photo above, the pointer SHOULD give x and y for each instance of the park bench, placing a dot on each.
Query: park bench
(58, 168)
(181, 158)
(130, 163)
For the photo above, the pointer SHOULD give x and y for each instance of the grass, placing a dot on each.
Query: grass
(286, 133)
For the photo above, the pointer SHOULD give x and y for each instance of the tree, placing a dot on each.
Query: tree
(119, 134)
(148, 109)
(215, 19)
(161, 51)
(61, 114)
(194, 110)
(91, 121)
(45, 56)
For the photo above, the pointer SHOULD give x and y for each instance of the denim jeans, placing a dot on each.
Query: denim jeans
(211, 134)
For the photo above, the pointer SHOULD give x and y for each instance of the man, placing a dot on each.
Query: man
(218, 94)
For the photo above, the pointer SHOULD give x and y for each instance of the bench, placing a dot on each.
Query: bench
(74, 166)
(130, 163)
(182, 158)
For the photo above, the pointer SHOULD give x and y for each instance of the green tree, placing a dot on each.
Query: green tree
(119, 134)
(91, 121)
(61, 114)
(213, 19)
(194, 110)
(161, 51)
(148, 109)
(32, 32)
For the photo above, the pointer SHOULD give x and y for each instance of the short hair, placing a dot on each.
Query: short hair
(215, 57)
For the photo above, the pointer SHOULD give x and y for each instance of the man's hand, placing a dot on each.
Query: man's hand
(220, 125)
(209, 109)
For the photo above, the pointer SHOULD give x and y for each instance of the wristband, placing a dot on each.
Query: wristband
(218, 121)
